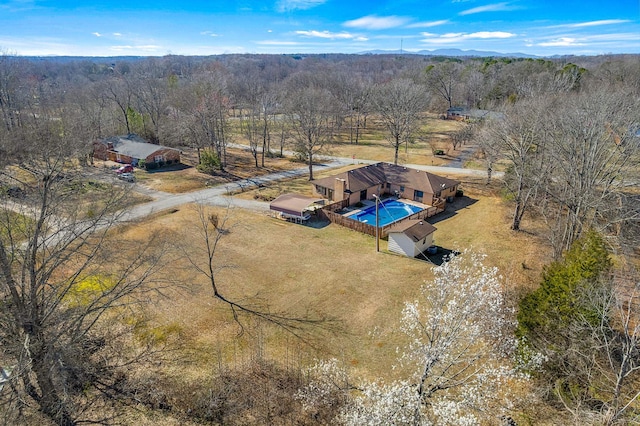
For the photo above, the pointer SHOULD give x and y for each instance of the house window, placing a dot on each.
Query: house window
(388, 185)
(363, 194)
(330, 195)
(417, 195)
(401, 188)
(158, 158)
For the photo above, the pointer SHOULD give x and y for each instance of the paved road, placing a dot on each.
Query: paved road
(220, 195)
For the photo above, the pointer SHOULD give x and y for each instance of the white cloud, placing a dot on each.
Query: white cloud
(373, 22)
(208, 33)
(117, 34)
(97, 34)
(561, 42)
(288, 5)
(428, 24)
(496, 7)
(459, 37)
(594, 23)
(142, 48)
(330, 35)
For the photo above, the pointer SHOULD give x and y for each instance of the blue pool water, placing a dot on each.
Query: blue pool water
(389, 211)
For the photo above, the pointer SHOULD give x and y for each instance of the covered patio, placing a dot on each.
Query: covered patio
(296, 208)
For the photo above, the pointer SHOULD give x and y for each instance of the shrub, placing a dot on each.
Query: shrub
(209, 161)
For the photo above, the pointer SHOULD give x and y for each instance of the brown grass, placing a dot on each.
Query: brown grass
(240, 165)
(332, 272)
(373, 145)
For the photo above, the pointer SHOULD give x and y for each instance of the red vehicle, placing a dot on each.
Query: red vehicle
(125, 169)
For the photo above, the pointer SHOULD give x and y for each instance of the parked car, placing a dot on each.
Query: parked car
(129, 177)
(125, 169)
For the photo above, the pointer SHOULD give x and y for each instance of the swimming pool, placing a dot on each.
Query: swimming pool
(389, 211)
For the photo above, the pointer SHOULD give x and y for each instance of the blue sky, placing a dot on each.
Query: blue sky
(161, 27)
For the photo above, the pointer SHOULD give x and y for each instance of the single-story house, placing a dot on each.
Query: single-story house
(471, 114)
(132, 149)
(295, 207)
(411, 237)
(387, 179)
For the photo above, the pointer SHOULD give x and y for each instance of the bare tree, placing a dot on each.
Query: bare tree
(10, 90)
(606, 352)
(310, 115)
(442, 78)
(593, 147)
(212, 227)
(400, 103)
(522, 138)
(63, 278)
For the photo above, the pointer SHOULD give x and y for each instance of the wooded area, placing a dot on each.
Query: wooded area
(72, 293)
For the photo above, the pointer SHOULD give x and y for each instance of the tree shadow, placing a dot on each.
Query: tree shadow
(459, 203)
(441, 255)
(171, 168)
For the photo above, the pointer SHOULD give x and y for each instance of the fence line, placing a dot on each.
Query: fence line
(329, 212)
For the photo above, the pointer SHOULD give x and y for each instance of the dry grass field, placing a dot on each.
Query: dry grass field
(373, 145)
(186, 178)
(329, 272)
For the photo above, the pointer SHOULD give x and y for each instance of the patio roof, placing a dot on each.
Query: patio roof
(294, 204)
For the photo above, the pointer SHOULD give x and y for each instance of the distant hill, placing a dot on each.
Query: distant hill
(449, 52)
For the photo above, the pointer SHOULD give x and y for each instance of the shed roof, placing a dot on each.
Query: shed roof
(294, 204)
(413, 228)
(134, 146)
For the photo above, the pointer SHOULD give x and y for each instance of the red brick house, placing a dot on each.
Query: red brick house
(385, 178)
(132, 149)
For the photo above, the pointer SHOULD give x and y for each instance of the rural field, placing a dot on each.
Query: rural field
(323, 272)
(145, 279)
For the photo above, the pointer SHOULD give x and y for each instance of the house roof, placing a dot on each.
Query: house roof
(294, 204)
(380, 173)
(475, 113)
(413, 228)
(134, 146)
(357, 179)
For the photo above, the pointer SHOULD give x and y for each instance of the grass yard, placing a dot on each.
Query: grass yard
(332, 272)
(187, 178)
(373, 145)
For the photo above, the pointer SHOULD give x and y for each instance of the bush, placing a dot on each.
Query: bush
(209, 161)
(438, 152)
(151, 166)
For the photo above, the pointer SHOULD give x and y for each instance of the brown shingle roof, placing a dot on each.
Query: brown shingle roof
(380, 173)
(414, 229)
(293, 204)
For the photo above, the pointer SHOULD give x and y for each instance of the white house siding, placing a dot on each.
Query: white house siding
(402, 244)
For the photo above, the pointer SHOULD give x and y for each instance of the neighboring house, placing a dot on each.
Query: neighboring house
(469, 114)
(295, 207)
(411, 237)
(132, 149)
(387, 179)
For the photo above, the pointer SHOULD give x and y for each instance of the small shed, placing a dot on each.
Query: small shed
(411, 237)
(295, 207)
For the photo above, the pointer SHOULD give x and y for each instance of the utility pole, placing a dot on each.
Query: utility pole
(377, 223)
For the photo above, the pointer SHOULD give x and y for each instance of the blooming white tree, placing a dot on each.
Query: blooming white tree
(460, 333)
